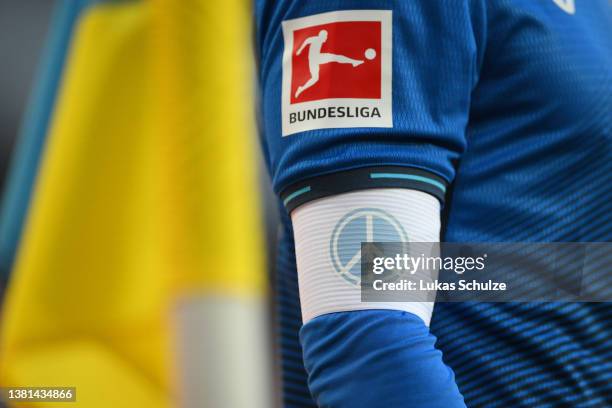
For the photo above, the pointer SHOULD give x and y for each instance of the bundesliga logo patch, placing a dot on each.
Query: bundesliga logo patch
(337, 71)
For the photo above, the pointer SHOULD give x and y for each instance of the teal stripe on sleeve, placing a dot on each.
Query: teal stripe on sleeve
(296, 194)
(409, 177)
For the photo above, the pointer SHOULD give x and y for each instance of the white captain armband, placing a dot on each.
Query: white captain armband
(328, 234)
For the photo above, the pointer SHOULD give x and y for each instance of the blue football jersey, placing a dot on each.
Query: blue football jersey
(502, 109)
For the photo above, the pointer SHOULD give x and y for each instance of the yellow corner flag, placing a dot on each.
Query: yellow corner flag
(140, 275)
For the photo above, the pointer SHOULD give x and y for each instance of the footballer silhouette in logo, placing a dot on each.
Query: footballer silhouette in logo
(316, 58)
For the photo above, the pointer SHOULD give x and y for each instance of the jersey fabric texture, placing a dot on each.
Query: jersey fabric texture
(502, 108)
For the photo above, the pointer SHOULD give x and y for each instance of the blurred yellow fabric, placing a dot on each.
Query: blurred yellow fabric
(147, 194)
(205, 80)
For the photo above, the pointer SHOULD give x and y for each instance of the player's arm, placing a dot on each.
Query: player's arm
(359, 354)
(304, 44)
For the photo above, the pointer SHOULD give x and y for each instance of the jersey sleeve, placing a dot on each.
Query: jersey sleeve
(351, 345)
(434, 52)
(428, 55)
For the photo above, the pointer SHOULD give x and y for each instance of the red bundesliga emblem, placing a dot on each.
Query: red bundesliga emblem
(336, 60)
(337, 71)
